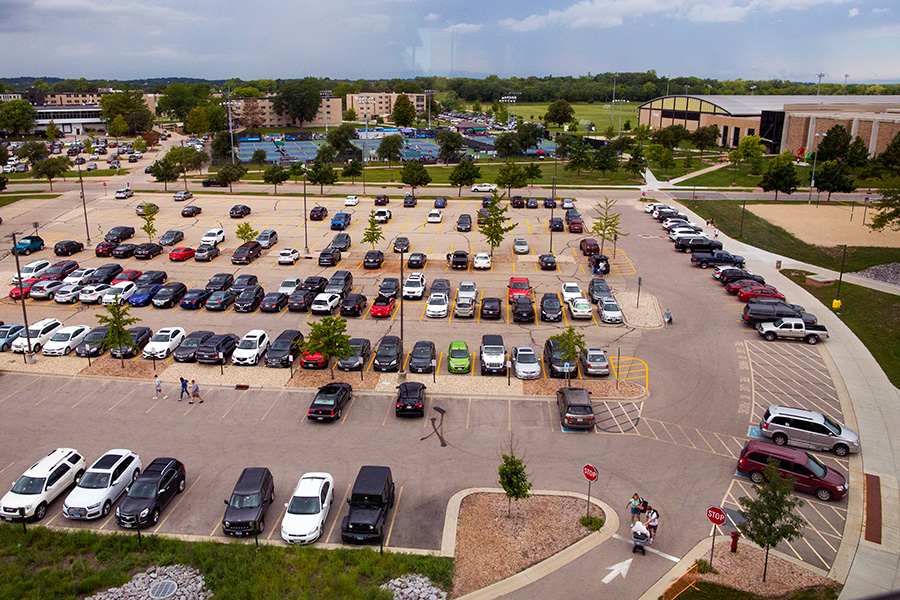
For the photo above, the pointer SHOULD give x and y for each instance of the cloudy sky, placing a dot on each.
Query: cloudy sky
(724, 39)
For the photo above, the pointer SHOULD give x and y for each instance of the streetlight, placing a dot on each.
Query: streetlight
(305, 217)
(612, 115)
(230, 124)
(509, 99)
(687, 90)
(22, 297)
(844, 89)
(84, 206)
(183, 165)
(818, 85)
(365, 100)
(326, 96)
(428, 95)
(812, 180)
(667, 85)
(752, 89)
(619, 132)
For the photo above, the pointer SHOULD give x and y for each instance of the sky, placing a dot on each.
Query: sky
(370, 39)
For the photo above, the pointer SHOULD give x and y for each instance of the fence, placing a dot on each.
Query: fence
(681, 585)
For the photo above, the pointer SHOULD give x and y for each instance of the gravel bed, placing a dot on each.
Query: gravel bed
(414, 587)
(743, 570)
(599, 388)
(316, 378)
(491, 546)
(55, 365)
(647, 316)
(112, 367)
(189, 582)
(889, 273)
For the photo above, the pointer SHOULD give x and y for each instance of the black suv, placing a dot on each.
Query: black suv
(353, 305)
(360, 351)
(301, 299)
(389, 354)
(410, 399)
(217, 349)
(253, 493)
(249, 299)
(373, 259)
(423, 354)
(697, 244)
(315, 283)
(370, 501)
(283, 350)
(523, 310)
(161, 480)
(187, 349)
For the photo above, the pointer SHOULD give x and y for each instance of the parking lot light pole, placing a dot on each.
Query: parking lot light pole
(87, 229)
(326, 96)
(400, 367)
(183, 165)
(305, 217)
(428, 96)
(22, 297)
(366, 101)
(812, 180)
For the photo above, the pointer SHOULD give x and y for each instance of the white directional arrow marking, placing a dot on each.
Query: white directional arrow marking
(618, 569)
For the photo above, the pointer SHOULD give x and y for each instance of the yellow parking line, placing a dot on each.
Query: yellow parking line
(387, 541)
(122, 399)
(272, 406)
(347, 412)
(333, 523)
(272, 529)
(7, 466)
(235, 403)
(406, 361)
(405, 224)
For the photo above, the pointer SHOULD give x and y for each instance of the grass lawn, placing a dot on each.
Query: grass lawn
(763, 234)
(10, 198)
(50, 564)
(599, 113)
(872, 315)
(725, 177)
(712, 591)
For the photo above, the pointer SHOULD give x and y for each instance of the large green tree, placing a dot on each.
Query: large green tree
(857, 155)
(887, 213)
(781, 175)
(231, 173)
(579, 159)
(52, 132)
(528, 135)
(3, 181)
(328, 337)
(506, 145)
(751, 150)
(533, 171)
(128, 104)
(703, 138)
(414, 175)
(197, 121)
(509, 176)
(389, 150)
(166, 171)
(496, 224)
(605, 160)
(17, 116)
(559, 112)
(834, 176)
(298, 99)
(352, 170)
(187, 158)
(835, 144)
(51, 168)
(275, 175)
(464, 174)
(221, 144)
(258, 158)
(339, 139)
(890, 158)
(450, 143)
(245, 232)
(404, 112)
(321, 174)
(179, 99)
(33, 152)
(636, 163)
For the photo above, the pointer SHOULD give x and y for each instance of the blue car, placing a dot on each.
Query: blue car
(440, 202)
(8, 333)
(340, 221)
(29, 244)
(144, 294)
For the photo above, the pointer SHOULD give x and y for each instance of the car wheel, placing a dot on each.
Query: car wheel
(181, 485)
(339, 413)
(780, 439)
(770, 336)
(41, 247)
(50, 296)
(78, 476)
(812, 340)
(704, 264)
(41, 511)
(135, 474)
(67, 350)
(155, 517)
(824, 495)
(36, 348)
(5, 347)
(27, 251)
(262, 525)
(107, 506)
(841, 450)
(756, 477)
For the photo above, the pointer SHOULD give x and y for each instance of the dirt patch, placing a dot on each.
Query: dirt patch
(827, 225)
(112, 367)
(317, 378)
(743, 570)
(491, 546)
(599, 388)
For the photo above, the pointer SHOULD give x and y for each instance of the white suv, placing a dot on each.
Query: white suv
(38, 333)
(32, 270)
(213, 237)
(102, 485)
(251, 348)
(164, 342)
(41, 484)
(414, 287)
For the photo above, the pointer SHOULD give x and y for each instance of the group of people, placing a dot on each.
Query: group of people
(644, 518)
(191, 390)
(712, 222)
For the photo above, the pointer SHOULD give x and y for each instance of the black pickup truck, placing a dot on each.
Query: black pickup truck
(716, 257)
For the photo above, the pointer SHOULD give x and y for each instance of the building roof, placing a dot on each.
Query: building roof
(754, 104)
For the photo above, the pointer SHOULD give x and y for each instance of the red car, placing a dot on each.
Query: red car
(589, 246)
(180, 254)
(759, 292)
(126, 276)
(105, 248)
(735, 286)
(318, 213)
(25, 288)
(382, 307)
(313, 361)
(576, 226)
(518, 286)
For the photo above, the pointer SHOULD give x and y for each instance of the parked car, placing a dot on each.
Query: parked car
(382, 306)
(267, 238)
(414, 286)
(68, 293)
(810, 475)
(288, 256)
(171, 237)
(39, 333)
(459, 359)
(67, 248)
(482, 260)
(102, 485)
(220, 300)
(551, 308)
(140, 337)
(808, 429)
(329, 402)
(119, 234)
(792, 329)
(45, 289)
(610, 311)
(246, 510)
(554, 363)
(490, 308)
(306, 513)
(194, 299)
(464, 223)
(124, 251)
(251, 348)
(150, 493)
(91, 345)
(182, 195)
(216, 349)
(33, 270)
(547, 262)
(410, 399)
(42, 483)
(589, 246)
(246, 253)
(191, 211)
(371, 498)
(422, 356)
(239, 211)
(249, 299)
(520, 246)
(180, 254)
(164, 342)
(213, 237)
(575, 408)
(187, 349)
(389, 354)
(594, 362)
(169, 295)
(484, 187)
(522, 310)
(284, 350)
(219, 282)
(525, 363)
(65, 340)
(401, 244)
(318, 213)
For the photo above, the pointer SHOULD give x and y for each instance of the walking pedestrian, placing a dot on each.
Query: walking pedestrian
(635, 506)
(667, 318)
(184, 389)
(195, 392)
(716, 233)
(159, 389)
(652, 522)
(449, 258)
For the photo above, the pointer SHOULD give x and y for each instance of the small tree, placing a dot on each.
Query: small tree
(321, 174)
(513, 476)
(3, 181)
(118, 127)
(607, 226)
(414, 174)
(559, 112)
(50, 168)
(245, 232)
(274, 175)
(636, 164)
(404, 113)
(389, 150)
(166, 171)
(139, 145)
(33, 152)
(464, 174)
(780, 175)
(372, 234)
(52, 132)
(149, 219)
(297, 170)
(834, 176)
(450, 143)
(496, 224)
(888, 211)
(329, 338)
(770, 518)
(579, 159)
(350, 114)
(509, 176)
(230, 173)
(571, 343)
(703, 137)
(666, 161)
(258, 158)
(605, 160)
(251, 114)
(752, 150)
(532, 172)
(116, 320)
(352, 169)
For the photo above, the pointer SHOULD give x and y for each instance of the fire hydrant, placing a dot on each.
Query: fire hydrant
(735, 535)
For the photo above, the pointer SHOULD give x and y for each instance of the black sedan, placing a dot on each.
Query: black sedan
(373, 259)
(547, 262)
(119, 234)
(549, 203)
(389, 288)
(194, 299)
(329, 402)
(353, 305)
(316, 283)
(104, 273)
(422, 357)
(300, 300)
(410, 399)
(220, 281)
(329, 257)
(551, 308)
(171, 237)
(243, 282)
(192, 211)
(67, 248)
(441, 286)
(148, 277)
(147, 251)
(91, 345)
(341, 242)
(249, 299)
(556, 224)
(417, 260)
(187, 349)
(220, 300)
(239, 211)
(401, 244)
(124, 251)
(531, 203)
(206, 253)
(139, 338)
(523, 310)
(318, 213)
(490, 308)
(360, 351)
(284, 349)
(169, 295)
(273, 302)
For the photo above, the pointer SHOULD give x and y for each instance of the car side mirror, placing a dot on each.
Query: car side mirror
(285, 504)
(348, 500)
(226, 502)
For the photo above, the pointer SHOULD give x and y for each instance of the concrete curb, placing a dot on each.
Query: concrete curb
(543, 568)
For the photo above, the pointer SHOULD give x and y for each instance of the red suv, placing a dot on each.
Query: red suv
(810, 474)
(575, 225)
(518, 286)
(589, 246)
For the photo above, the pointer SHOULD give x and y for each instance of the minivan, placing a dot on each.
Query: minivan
(575, 408)
(246, 253)
(810, 474)
(253, 494)
(267, 238)
(340, 283)
(807, 429)
(371, 499)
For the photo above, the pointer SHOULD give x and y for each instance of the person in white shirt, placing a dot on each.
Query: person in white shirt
(652, 522)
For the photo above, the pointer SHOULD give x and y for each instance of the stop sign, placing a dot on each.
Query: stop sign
(590, 473)
(715, 515)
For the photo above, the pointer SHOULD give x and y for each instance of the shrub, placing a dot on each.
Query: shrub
(592, 523)
(703, 566)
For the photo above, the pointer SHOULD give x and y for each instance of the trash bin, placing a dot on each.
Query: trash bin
(778, 264)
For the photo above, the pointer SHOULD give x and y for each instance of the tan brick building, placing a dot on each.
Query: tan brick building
(382, 104)
(330, 109)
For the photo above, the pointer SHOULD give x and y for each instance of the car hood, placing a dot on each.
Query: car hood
(84, 497)
(419, 362)
(363, 515)
(529, 368)
(834, 478)
(155, 346)
(134, 506)
(353, 361)
(13, 500)
(302, 525)
(242, 515)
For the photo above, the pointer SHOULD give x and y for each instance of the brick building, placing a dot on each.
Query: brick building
(382, 104)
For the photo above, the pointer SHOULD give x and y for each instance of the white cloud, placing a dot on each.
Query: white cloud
(853, 12)
(431, 17)
(463, 28)
(878, 11)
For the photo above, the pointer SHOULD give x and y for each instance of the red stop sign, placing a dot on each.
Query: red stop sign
(590, 473)
(715, 515)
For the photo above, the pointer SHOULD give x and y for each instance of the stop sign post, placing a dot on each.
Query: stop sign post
(590, 473)
(716, 516)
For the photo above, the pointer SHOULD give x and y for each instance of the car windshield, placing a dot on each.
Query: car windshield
(438, 301)
(34, 333)
(61, 337)
(29, 485)
(527, 358)
(142, 490)
(556, 353)
(303, 505)
(248, 344)
(93, 480)
(610, 306)
(421, 352)
(143, 290)
(190, 343)
(551, 302)
(355, 351)
(387, 352)
(382, 301)
(95, 336)
(244, 501)
(160, 337)
(831, 425)
(217, 296)
(281, 345)
(818, 469)
(459, 353)
(596, 357)
(518, 285)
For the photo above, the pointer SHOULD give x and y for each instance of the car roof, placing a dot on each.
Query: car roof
(44, 466)
(109, 460)
(775, 450)
(812, 415)
(371, 480)
(251, 479)
(310, 484)
(157, 467)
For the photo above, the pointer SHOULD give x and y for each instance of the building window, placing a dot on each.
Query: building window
(751, 131)
(725, 135)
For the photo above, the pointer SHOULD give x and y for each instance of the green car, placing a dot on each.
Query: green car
(460, 359)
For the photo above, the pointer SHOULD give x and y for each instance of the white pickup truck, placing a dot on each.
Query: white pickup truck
(382, 215)
(792, 329)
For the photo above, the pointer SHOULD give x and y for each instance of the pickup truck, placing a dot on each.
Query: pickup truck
(716, 257)
(792, 329)
(382, 215)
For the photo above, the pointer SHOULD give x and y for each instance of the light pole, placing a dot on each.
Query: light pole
(812, 181)
(183, 165)
(22, 296)
(428, 95)
(326, 96)
(612, 115)
(818, 85)
(552, 206)
(365, 101)
(752, 90)
(620, 115)
(305, 217)
(687, 90)
(87, 229)
(230, 126)
(667, 85)
(400, 358)
(844, 89)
